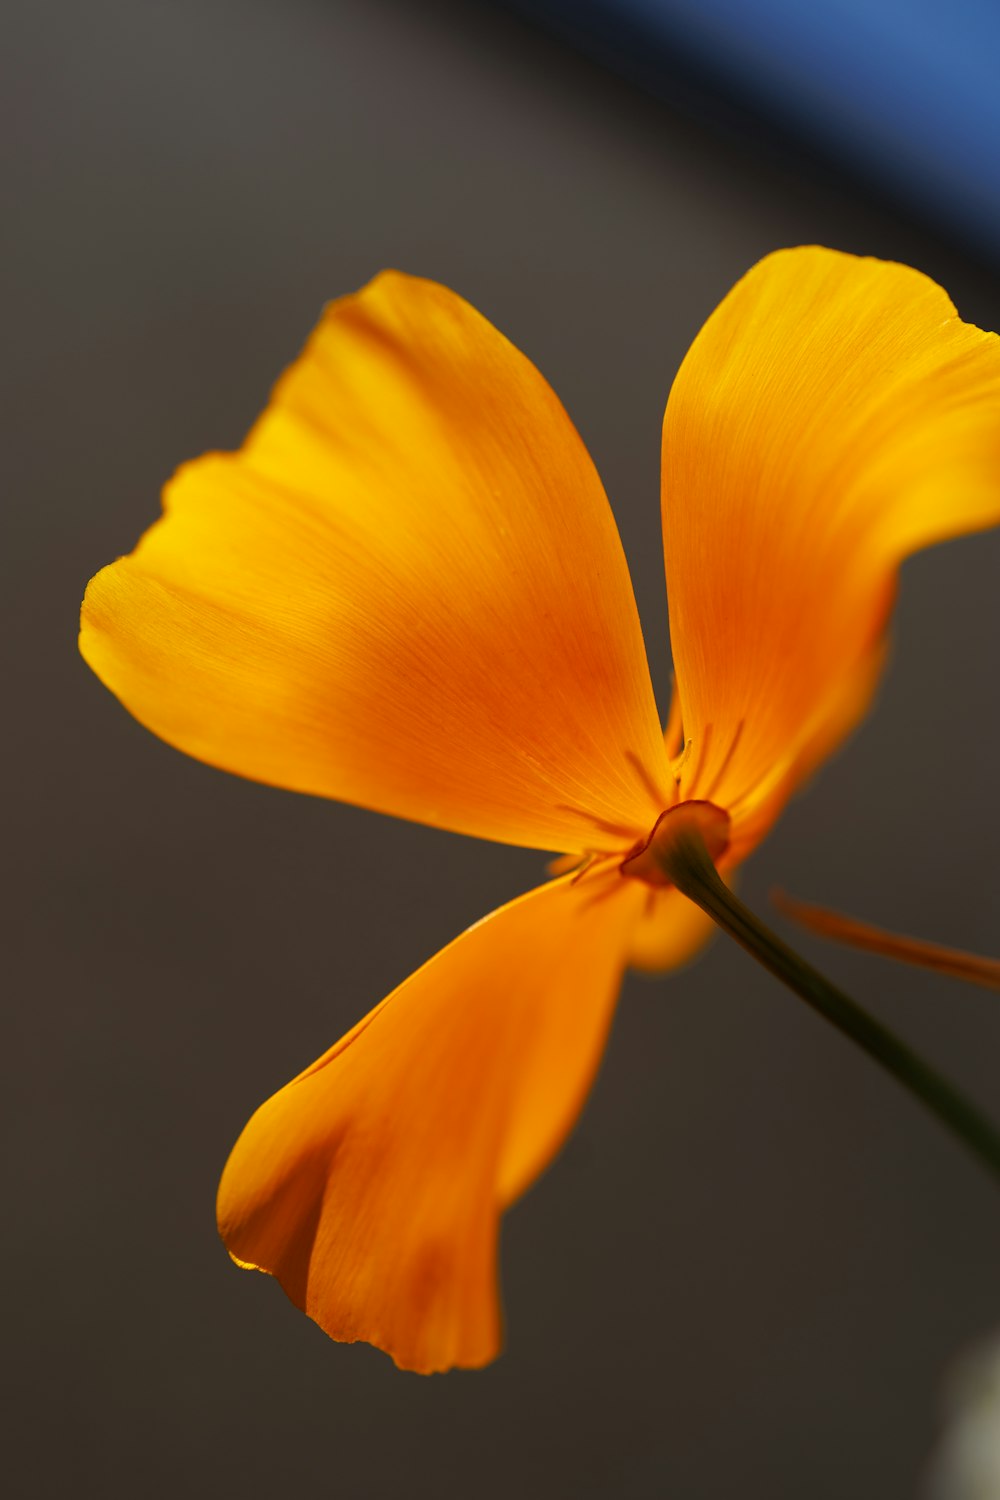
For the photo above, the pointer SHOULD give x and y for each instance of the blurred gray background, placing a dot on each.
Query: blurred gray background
(752, 1266)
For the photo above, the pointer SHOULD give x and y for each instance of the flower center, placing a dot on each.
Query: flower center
(650, 859)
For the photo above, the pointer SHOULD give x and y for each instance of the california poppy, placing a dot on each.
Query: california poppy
(407, 591)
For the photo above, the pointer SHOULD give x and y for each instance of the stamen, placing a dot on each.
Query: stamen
(594, 861)
(578, 865)
(703, 749)
(673, 729)
(602, 824)
(761, 785)
(679, 770)
(655, 793)
(608, 888)
(727, 758)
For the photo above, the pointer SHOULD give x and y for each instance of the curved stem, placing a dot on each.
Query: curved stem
(685, 861)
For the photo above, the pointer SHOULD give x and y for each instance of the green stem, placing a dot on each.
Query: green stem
(686, 862)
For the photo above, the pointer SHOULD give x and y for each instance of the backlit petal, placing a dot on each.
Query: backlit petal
(405, 591)
(670, 931)
(372, 1185)
(833, 416)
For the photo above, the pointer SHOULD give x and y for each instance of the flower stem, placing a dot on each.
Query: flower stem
(686, 862)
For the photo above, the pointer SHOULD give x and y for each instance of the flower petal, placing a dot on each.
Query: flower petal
(670, 931)
(833, 416)
(372, 1185)
(405, 591)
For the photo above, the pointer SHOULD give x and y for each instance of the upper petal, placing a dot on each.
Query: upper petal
(372, 1185)
(405, 591)
(833, 416)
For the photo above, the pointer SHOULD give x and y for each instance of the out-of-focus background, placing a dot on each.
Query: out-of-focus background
(752, 1268)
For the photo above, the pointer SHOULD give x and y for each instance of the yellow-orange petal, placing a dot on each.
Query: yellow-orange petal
(372, 1185)
(405, 591)
(670, 931)
(833, 416)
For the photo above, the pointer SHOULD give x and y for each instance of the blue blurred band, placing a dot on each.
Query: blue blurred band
(904, 92)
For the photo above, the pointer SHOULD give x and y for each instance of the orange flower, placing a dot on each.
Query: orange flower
(407, 591)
